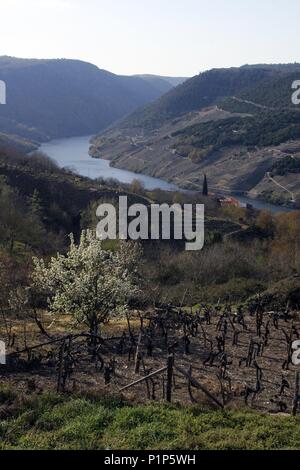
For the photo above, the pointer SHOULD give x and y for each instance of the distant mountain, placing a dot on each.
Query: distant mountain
(163, 84)
(175, 81)
(61, 98)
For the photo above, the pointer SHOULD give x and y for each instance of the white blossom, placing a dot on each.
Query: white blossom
(89, 282)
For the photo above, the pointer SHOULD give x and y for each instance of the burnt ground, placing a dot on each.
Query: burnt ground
(263, 380)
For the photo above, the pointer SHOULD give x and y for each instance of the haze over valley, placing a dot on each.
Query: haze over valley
(237, 125)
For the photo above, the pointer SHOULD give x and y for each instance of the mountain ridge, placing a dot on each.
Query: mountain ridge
(64, 97)
(205, 89)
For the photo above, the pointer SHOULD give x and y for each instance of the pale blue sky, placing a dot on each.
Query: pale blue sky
(166, 37)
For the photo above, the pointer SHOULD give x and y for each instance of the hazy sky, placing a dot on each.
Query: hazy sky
(167, 37)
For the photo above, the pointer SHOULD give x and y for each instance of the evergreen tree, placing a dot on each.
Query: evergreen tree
(205, 186)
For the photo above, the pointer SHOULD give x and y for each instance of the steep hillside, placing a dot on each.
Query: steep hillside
(197, 93)
(63, 98)
(272, 94)
(17, 142)
(232, 124)
(19, 136)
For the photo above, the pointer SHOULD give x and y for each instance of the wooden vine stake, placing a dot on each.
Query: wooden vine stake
(60, 367)
(170, 367)
(296, 394)
(137, 361)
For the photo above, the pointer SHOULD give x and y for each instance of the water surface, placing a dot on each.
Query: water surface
(73, 153)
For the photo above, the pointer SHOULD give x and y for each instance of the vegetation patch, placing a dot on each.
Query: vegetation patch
(61, 422)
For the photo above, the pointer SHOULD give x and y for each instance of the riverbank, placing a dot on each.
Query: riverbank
(73, 153)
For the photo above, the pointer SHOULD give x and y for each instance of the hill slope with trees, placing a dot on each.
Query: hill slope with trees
(206, 89)
(232, 124)
(61, 98)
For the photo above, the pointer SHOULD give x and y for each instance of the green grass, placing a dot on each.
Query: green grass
(51, 421)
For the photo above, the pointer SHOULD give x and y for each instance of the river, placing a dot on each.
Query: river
(73, 153)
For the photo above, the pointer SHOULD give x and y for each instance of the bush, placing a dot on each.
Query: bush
(235, 290)
(281, 294)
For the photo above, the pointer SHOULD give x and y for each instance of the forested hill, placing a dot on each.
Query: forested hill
(61, 98)
(211, 87)
(271, 94)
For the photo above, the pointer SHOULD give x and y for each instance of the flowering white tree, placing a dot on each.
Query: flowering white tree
(89, 282)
